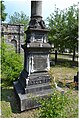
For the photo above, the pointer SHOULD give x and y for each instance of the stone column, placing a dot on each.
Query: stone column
(36, 8)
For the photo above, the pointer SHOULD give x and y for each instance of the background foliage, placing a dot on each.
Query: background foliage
(3, 13)
(11, 63)
(63, 26)
(19, 18)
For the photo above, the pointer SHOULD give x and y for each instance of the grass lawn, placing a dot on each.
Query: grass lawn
(63, 74)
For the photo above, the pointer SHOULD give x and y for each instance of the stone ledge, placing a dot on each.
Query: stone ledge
(36, 88)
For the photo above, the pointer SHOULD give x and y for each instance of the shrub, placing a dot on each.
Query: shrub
(53, 107)
(11, 63)
(59, 105)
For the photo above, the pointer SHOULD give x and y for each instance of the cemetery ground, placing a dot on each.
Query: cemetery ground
(64, 72)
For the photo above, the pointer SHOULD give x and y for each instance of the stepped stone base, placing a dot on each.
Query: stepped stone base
(27, 101)
(28, 97)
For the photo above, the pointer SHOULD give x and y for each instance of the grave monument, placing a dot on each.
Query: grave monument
(34, 80)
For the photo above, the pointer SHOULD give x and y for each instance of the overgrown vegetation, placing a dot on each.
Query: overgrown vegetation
(60, 105)
(11, 63)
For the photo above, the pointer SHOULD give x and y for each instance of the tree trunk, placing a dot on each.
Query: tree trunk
(73, 58)
(55, 56)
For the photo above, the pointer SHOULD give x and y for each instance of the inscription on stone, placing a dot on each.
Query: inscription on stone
(40, 62)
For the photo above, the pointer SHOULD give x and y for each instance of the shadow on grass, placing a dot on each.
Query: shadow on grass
(65, 63)
(8, 95)
(70, 85)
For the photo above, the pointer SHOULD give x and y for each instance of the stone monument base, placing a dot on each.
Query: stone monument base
(28, 98)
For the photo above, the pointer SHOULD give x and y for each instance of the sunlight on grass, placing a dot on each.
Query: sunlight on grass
(6, 109)
(9, 104)
(63, 72)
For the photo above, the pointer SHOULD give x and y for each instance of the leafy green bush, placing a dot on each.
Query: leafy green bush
(53, 107)
(59, 105)
(11, 63)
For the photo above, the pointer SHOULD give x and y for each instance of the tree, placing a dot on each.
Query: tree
(72, 29)
(19, 18)
(57, 27)
(63, 28)
(3, 14)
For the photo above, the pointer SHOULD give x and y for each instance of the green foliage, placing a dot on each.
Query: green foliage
(53, 107)
(72, 27)
(63, 26)
(19, 18)
(59, 105)
(11, 63)
(3, 14)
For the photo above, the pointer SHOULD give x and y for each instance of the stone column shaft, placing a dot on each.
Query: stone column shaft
(36, 8)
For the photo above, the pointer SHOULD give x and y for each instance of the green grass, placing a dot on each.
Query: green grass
(61, 73)
(5, 104)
